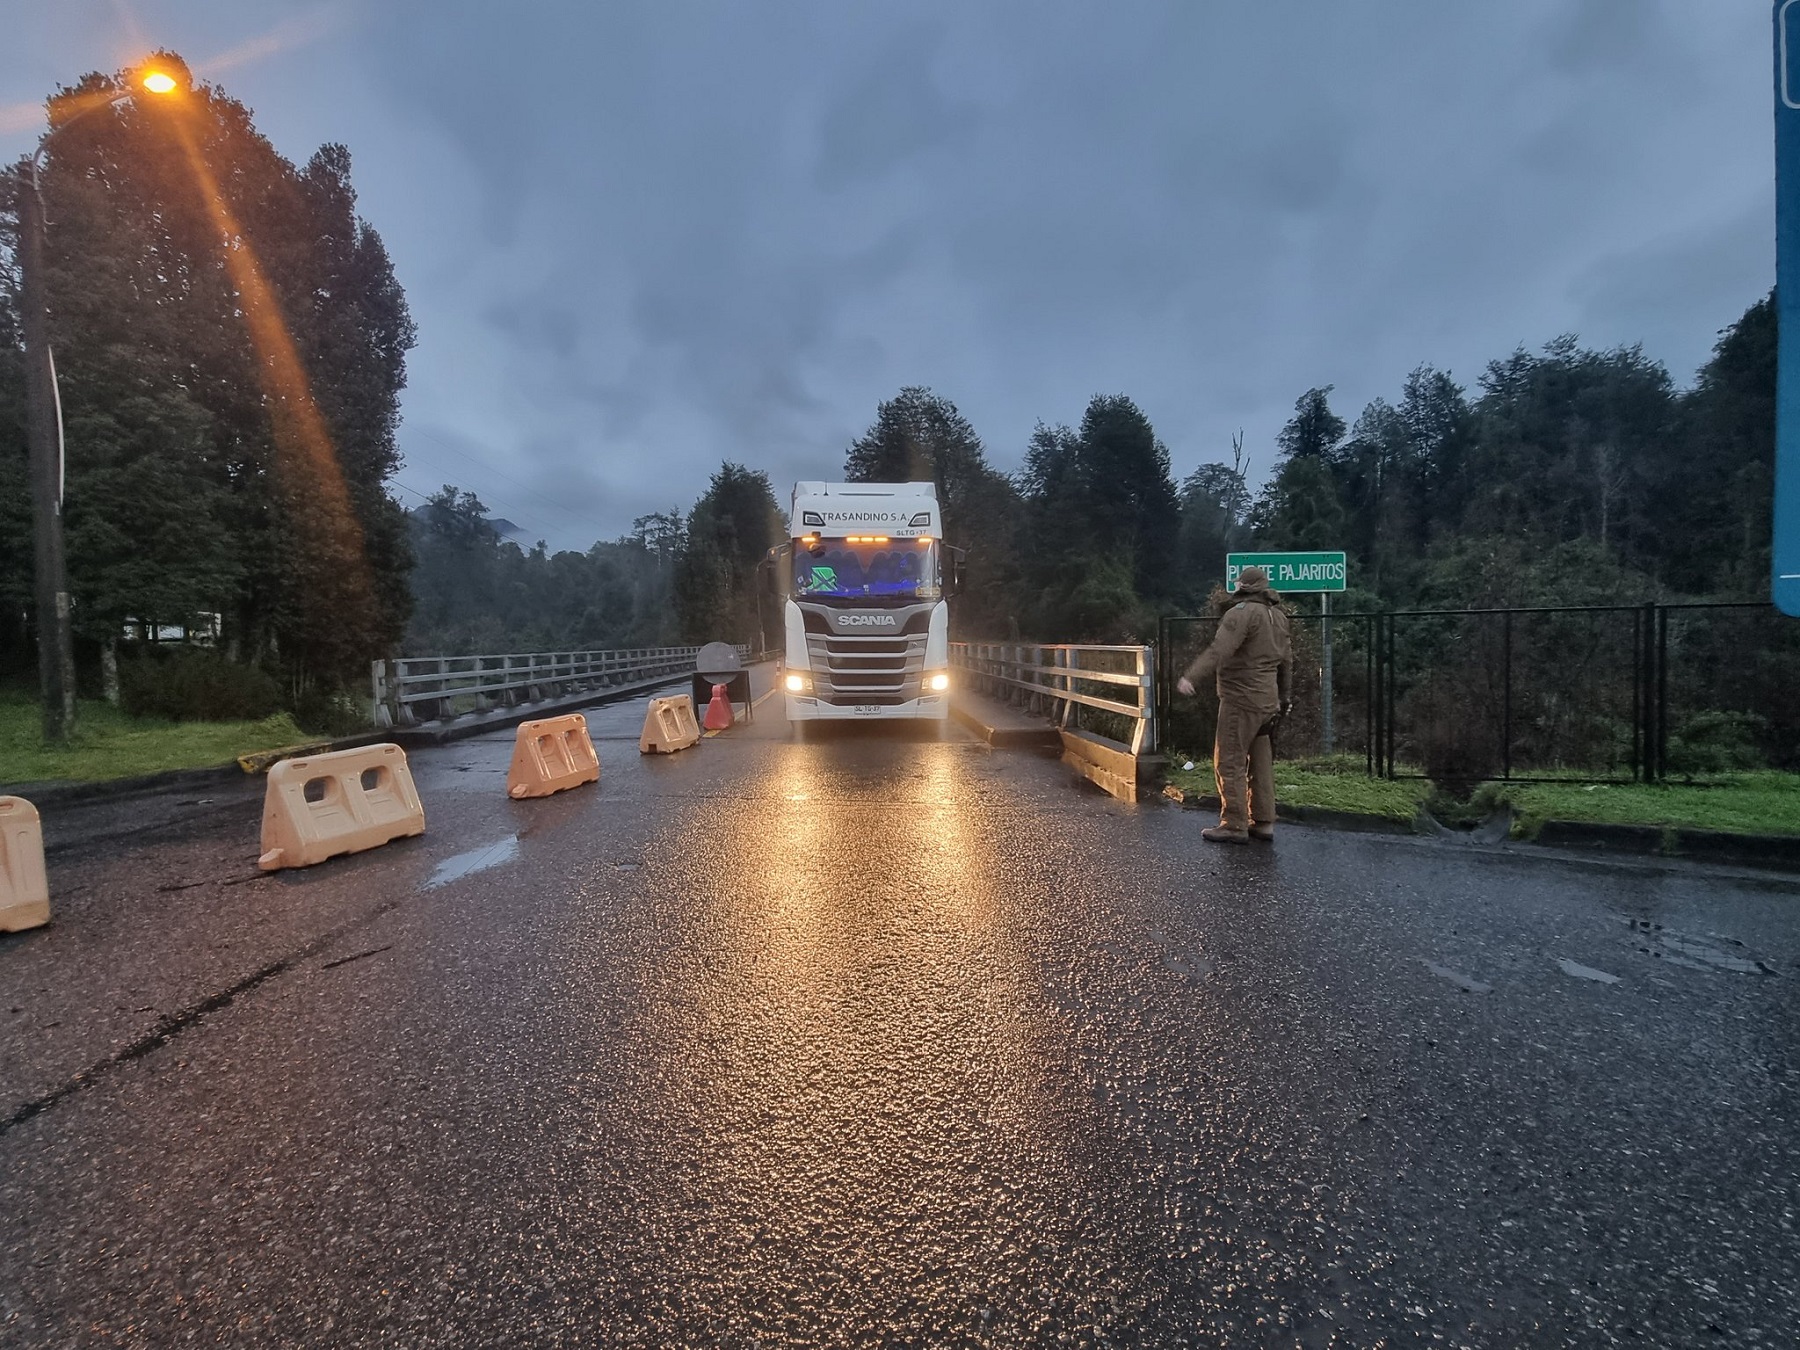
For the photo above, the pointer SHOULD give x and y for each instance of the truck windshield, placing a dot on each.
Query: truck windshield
(842, 569)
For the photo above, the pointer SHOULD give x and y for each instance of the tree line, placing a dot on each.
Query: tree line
(230, 342)
(675, 578)
(1569, 475)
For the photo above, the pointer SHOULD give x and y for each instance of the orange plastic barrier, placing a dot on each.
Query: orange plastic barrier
(343, 802)
(24, 890)
(550, 755)
(669, 726)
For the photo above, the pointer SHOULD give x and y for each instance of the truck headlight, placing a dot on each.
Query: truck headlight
(938, 681)
(796, 684)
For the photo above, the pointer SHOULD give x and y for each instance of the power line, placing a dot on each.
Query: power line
(427, 500)
(587, 521)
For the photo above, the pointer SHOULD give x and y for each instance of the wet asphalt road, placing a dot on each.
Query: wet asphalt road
(880, 1039)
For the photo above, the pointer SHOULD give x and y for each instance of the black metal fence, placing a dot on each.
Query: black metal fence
(1606, 692)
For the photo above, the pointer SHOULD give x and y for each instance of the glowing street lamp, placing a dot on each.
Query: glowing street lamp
(164, 76)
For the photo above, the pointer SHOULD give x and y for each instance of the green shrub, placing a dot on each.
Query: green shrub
(326, 712)
(1716, 742)
(193, 684)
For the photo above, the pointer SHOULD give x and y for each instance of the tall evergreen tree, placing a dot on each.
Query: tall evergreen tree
(1434, 479)
(231, 344)
(16, 657)
(1129, 493)
(1300, 506)
(920, 437)
(719, 591)
(1714, 498)
(1314, 431)
(1215, 507)
(1568, 441)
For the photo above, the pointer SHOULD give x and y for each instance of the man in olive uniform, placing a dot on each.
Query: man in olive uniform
(1254, 662)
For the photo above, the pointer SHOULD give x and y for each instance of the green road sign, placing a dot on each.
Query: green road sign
(1290, 571)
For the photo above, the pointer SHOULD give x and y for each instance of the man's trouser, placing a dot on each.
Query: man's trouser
(1240, 753)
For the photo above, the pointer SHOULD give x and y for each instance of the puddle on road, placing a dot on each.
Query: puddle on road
(1467, 983)
(1679, 949)
(1581, 972)
(476, 860)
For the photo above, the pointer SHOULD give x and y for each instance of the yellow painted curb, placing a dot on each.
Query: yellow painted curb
(261, 761)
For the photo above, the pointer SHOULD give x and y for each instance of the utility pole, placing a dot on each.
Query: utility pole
(56, 648)
(164, 75)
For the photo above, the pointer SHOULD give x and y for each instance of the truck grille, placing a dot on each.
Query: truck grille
(874, 670)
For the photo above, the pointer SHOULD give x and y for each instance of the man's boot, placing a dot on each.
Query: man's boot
(1218, 834)
(1266, 833)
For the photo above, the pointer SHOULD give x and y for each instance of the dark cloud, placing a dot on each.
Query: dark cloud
(1605, 34)
(643, 238)
(890, 110)
(1643, 295)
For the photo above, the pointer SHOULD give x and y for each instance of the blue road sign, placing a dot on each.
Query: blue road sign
(1784, 582)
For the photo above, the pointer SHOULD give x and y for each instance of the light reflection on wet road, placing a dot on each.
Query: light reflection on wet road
(885, 1040)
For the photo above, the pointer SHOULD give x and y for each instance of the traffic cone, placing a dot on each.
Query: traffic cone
(718, 712)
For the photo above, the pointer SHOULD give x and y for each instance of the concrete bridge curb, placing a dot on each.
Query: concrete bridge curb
(1000, 725)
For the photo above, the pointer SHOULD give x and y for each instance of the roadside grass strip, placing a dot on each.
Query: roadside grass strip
(1761, 803)
(1338, 784)
(1764, 802)
(109, 744)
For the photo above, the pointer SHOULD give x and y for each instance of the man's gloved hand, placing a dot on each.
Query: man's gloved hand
(1287, 708)
(1184, 687)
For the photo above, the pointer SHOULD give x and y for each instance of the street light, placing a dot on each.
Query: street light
(164, 75)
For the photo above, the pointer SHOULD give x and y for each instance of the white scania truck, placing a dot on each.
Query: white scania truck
(866, 626)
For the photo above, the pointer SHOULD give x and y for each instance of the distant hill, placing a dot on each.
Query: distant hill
(503, 529)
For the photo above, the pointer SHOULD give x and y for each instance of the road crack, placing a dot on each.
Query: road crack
(171, 1025)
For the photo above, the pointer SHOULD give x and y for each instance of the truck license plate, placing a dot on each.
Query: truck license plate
(867, 709)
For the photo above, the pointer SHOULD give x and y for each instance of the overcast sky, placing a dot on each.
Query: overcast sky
(641, 238)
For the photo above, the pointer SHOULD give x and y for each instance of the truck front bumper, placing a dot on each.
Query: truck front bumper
(803, 708)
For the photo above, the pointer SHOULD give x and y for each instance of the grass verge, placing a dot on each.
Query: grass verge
(1765, 802)
(1336, 784)
(1740, 803)
(108, 744)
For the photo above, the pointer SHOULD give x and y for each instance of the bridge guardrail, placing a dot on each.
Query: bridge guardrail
(1059, 678)
(445, 687)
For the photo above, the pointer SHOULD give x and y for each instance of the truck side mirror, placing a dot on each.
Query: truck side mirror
(953, 571)
(772, 566)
